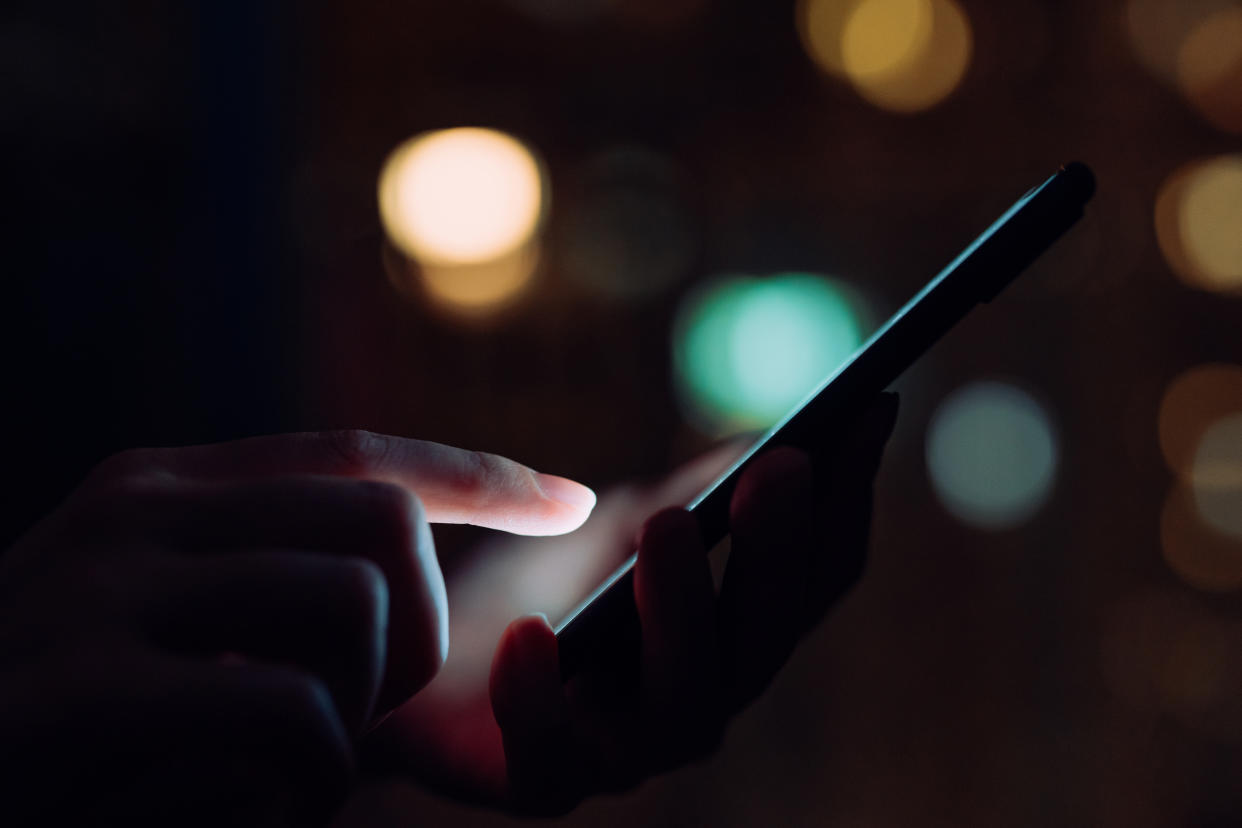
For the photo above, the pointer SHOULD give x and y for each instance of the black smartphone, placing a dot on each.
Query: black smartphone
(607, 618)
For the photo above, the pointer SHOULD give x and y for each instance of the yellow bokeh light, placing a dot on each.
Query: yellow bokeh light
(1200, 429)
(821, 24)
(1198, 220)
(1158, 29)
(463, 196)
(469, 289)
(906, 55)
(1209, 69)
(1193, 403)
(882, 37)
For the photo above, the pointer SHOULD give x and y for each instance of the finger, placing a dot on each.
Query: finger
(846, 508)
(326, 616)
(455, 485)
(546, 772)
(771, 517)
(380, 522)
(676, 603)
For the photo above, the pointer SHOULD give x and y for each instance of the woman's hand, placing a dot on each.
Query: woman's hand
(198, 635)
(515, 737)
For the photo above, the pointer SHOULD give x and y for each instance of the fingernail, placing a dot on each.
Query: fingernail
(564, 490)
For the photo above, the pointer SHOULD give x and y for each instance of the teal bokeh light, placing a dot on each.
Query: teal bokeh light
(746, 350)
(991, 454)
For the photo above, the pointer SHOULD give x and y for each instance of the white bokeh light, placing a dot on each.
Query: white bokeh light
(992, 455)
(461, 196)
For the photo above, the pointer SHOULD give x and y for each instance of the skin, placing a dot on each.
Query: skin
(223, 634)
(514, 737)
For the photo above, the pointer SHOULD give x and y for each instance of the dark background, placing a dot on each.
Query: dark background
(193, 254)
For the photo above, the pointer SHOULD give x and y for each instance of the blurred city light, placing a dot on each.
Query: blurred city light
(901, 55)
(992, 455)
(1193, 402)
(1216, 475)
(1209, 69)
(1198, 220)
(1163, 650)
(470, 289)
(821, 25)
(1194, 46)
(484, 286)
(1200, 431)
(883, 37)
(1201, 556)
(1158, 28)
(629, 234)
(747, 350)
(461, 196)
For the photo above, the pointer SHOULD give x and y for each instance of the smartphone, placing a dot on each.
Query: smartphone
(607, 619)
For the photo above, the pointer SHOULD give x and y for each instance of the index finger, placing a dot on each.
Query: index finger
(455, 485)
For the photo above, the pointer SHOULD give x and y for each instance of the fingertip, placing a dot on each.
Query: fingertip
(562, 505)
(526, 668)
(569, 492)
(669, 527)
(783, 478)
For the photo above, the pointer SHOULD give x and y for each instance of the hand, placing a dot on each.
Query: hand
(529, 744)
(199, 634)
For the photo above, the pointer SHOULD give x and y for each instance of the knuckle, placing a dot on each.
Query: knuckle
(304, 706)
(394, 511)
(123, 502)
(364, 582)
(303, 701)
(354, 450)
(484, 472)
(126, 464)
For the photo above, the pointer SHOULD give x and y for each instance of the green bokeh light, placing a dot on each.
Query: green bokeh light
(991, 454)
(746, 350)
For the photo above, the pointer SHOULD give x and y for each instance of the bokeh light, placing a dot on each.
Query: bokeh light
(992, 455)
(1158, 28)
(461, 196)
(630, 233)
(901, 55)
(1164, 651)
(821, 24)
(1216, 475)
(1192, 403)
(1200, 432)
(1201, 556)
(1194, 46)
(1199, 222)
(882, 37)
(747, 350)
(470, 289)
(1209, 68)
